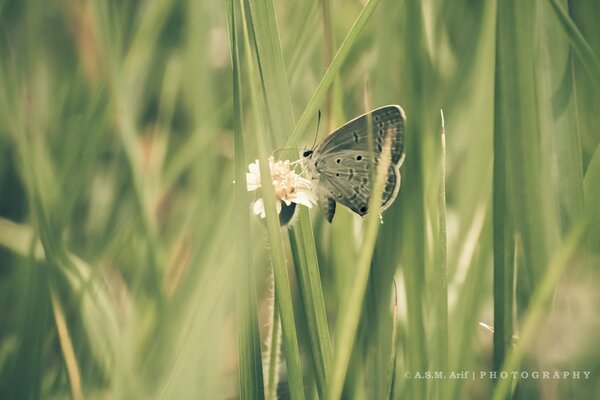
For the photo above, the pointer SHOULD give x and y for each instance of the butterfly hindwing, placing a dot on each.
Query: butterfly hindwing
(345, 177)
(326, 201)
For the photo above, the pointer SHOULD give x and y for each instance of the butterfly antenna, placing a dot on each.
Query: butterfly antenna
(317, 132)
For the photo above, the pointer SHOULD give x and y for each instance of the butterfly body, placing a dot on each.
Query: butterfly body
(341, 164)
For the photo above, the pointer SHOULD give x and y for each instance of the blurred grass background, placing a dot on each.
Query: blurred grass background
(130, 266)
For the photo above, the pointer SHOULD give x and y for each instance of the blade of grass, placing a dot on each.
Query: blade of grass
(592, 199)
(277, 97)
(540, 299)
(586, 54)
(523, 192)
(283, 293)
(271, 64)
(348, 325)
(441, 275)
(249, 355)
(391, 377)
(503, 227)
(474, 258)
(558, 119)
(273, 349)
(414, 213)
(281, 280)
(302, 243)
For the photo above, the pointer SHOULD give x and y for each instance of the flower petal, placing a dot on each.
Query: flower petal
(306, 198)
(254, 168)
(252, 183)
(301, 182)
(258, 208)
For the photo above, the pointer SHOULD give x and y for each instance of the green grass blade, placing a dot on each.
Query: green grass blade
(592, 199)
(586, 54)
(249, 354)
(309, 283)
(274, 81)
(441, 275)
(273, 350)
(283, 294)
(536, 136)
(417, 64)
(560, 138)
(348, 325)
(503, 238)
(393, 361)
(277, 98)
(521, 190)
(540, 299)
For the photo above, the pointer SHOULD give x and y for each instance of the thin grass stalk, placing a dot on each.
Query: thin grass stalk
(476, 253)
(273, 351)
(328, 45)
(391, 377)
(71, 365)
(441, 273)
(332, 71)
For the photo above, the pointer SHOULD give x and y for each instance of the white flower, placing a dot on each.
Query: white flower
(289, 187)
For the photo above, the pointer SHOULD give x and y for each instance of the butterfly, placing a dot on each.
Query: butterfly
(340, 164)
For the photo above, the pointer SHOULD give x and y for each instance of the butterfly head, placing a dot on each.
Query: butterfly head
(307, 153)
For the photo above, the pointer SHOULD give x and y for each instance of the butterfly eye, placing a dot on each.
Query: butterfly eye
(358, 157)
(307, 153)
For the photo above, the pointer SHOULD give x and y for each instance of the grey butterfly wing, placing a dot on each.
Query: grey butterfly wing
(344, 177)
(354, 134)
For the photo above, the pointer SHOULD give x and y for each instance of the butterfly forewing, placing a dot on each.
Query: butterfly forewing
(354, 134)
